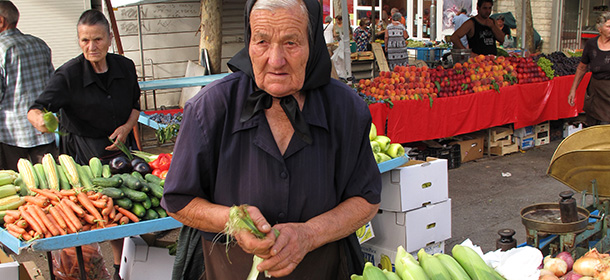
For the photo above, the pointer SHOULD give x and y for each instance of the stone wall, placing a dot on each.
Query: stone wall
(541, 13)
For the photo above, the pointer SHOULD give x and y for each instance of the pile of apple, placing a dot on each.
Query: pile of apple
(383, 148)
(479, 73)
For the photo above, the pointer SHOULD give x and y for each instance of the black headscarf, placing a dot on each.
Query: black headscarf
(317, 72)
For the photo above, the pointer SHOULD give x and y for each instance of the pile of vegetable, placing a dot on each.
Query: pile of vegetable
(464, 264)
(592, 265)
(169, 125)
(58, 199)
(159, 164)
(65, 263)
(383, 148)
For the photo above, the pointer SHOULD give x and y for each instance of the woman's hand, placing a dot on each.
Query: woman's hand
(35, 117)
(571, 98)
(120, 133)
(250, 243)
(293, 243)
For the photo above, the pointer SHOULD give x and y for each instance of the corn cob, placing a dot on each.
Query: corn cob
(432, 266)
(96, 167)
(42, 179)
(356, 277)
(23, 189)
(7, 178)
(7, 190)
(372, 272)
(11, 202)
(26, 171)
(63, 180)
(69, 166)
(407, 266)
(83, 175)
(473, 264)
(9, 172)
(452, 266)
(50, 170)
(391, 275)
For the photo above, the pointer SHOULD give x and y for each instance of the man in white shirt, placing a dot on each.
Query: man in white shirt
(458, 21)
(328, 30)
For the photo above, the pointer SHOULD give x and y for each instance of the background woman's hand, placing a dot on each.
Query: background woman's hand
(293, 243)
(120, 133)
(35, 117)
(571, 98)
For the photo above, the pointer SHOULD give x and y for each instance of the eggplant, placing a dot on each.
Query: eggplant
(136, 160)
(142, 168)
(119, 165)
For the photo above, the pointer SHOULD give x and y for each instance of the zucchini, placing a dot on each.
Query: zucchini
(124, 203)
(155, 201)
(106, 171)
(134, 195)
(151, 215)
(113, 192)
(95, 164)
(138, 209)
(152, 179)
(156, 190)
(147, 203)
(161, 212)
(114, 181)
(131, 182)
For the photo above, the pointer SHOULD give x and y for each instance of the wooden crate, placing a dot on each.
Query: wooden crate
(500, 132)
(503, 150)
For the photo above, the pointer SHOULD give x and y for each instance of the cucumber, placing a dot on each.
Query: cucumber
(161, 212)
(138, 209)
(124, 203)
(137, 175)
(134, 195)
(147, 203)
(156, 190)
(106, 171)
(152, 179)
(155, 201)
(95, 164)
(113, 192)
(151, 215)
(114, 181)
(131, 182)
(145, 188)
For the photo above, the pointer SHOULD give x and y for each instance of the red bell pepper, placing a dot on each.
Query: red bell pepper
(163, 174)
(164, 160)
(157, 172)
(154, 164)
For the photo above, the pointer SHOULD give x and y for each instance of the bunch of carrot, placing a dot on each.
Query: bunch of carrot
(65, 264)
(59, 212)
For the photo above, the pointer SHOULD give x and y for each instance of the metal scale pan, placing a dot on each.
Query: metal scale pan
(546, 217)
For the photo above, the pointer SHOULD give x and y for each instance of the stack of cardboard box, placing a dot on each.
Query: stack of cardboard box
(499, 141)
(415, 211)
(525, 137)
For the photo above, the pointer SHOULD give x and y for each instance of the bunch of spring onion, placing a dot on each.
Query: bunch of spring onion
(239, 219)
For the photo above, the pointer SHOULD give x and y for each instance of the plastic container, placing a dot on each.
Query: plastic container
(429, 54)
(460, 55)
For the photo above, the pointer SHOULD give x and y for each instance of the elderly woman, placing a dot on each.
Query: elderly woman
(279, 135)
(362, 35)
(97, 97)
(595, 57)
(395, 42)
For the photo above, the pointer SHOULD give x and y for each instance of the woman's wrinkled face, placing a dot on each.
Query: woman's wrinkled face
(279, 49)
(604, 29)
(94, 40)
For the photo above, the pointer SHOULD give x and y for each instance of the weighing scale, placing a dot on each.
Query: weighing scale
(582, 162)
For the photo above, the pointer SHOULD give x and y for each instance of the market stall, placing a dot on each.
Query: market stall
(521, 104)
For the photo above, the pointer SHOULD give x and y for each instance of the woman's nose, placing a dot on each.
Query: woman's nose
(276, 56)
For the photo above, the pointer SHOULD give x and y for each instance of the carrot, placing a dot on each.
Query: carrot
(71, 228)
(9, 219)
(15, 234)
(47, 194)
(67, 192)
(88, 205)
(54, 203)
(14, 213)
(77, 210)
(15, 228)
(100, 203)
(89, 219)
(21, 223)
(26, 236)
(70, 216)
(33, 222)
(55, 224)
(127, 213)
(86, 227)
(43, 217)
(57, 217)
(41, 202)
(124, 220)
(117, 217)
(111, 225)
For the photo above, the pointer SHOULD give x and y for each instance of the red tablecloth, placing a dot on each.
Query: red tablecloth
(523, 105)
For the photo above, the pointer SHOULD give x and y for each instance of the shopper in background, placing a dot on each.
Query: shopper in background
(458, 21)
(382, 25)
(481, 31)
(595, 58)
(500, 22)
(328, 30)
(362, 35)
(402, 20)
(395, 44)
(293, 146)
(97, 96)
(26, 66)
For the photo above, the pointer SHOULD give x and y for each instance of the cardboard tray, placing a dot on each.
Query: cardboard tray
(88, 237)
(391, 164)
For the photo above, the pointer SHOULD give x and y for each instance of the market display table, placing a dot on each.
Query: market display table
(521, 104)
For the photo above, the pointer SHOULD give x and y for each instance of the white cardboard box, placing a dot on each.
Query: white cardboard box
(414, 184)
(524, 131)
(568, 129)
(375, 254)
(413, 229)
(526, 142)
(143, 262)
(9, 267)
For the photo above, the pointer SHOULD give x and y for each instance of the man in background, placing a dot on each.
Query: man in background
(458, 21)
(25, 66)
(481, 31)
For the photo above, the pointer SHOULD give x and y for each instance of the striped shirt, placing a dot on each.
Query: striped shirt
(25, 67)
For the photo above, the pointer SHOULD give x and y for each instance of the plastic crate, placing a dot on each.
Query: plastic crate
(429, 54)
(452, 154)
